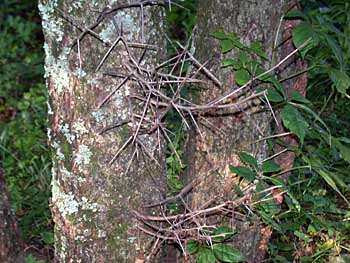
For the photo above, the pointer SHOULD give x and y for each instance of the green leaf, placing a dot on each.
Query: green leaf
(241, 76)
(227, 62)
(205, 255)
(245, 172)
(270, 167)
(343, 149)
(256, 48)
(226, 45)
(252, 66)
(191, 246)
(308, 110)
(268, 206)
(31, 259)
(226, 231)
(294, 121)
(336, 50)
(48, 237)
(302, 235)
(295, 13)
(219, 35)
(273, 95)
(340, 80)
(243, 58)
(248, 159)
(268, 220)
(226, 253)
(302, 33)
(315, 163)
(296, 96)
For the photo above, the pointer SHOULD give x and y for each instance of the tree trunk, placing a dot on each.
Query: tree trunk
(93, 188)
(11, 245)
(231, 133)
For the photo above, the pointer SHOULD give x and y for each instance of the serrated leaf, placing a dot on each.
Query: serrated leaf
(191, 246)
(226, 253)
(248, 159)
(245, 172)
(205, 255)
(302, 33)
(219, 35)
(226, 45)
(241, 76)
(270, 167)
(227, 62)
(340, 80)
(294, 121)
(296, 96)
(225, 231)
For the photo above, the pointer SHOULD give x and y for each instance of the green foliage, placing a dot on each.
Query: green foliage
(181, 20)
(312, 217)
(216, 249)
(174, 165)
(31, 259)
(24, 154)
(294, 121)
(309, 225)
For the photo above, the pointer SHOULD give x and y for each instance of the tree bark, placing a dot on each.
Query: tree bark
(11, 244)
(215, 150)
(92, 197)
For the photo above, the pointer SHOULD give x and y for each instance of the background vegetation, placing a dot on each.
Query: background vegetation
(24, 154)
(313, 223)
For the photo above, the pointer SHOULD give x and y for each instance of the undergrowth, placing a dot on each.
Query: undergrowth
(24, 155)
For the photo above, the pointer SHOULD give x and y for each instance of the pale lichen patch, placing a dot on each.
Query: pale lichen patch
(83, 155)
(86, 205)
(57, 68)
(79, 128)
(52, 25)
(65, 203)
(59, 154)
(64, 129)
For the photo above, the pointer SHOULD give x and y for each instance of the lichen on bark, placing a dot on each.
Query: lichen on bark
(91, 201)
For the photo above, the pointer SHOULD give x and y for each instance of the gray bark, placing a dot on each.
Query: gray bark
(92, 200)
(215, 151)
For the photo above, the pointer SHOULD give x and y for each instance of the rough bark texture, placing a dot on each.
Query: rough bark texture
(91, 201)
(11, 245)
(215, 151)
